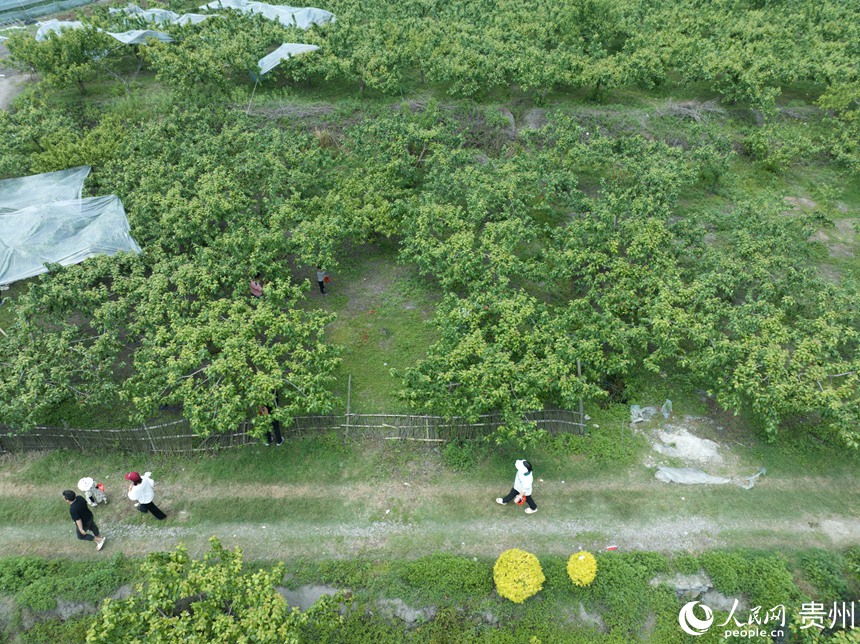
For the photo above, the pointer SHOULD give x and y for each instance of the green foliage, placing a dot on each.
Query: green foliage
(183, 600)
(211, 54)
(518, 575)
(599, 444)
(621, 589)
(464, 455)
(16, 573)
(825, 571)
(71, 58)
(764, 579)
(70, 631)
(582, 568)
(38, 583)
(686, 564)
(550, 246)
(777, 146)
(852, 561)
(442, 576)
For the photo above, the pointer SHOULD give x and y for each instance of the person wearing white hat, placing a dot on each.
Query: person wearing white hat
(92, 494)
(522, 489)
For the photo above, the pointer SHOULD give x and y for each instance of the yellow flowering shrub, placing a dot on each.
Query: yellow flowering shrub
(582, 568)
(518, 575)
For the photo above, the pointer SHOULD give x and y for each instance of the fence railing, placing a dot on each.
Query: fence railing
(177, 437)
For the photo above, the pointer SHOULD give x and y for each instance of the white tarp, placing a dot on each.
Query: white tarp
(135, 37)
(285, 51)
(193, 18)
(688, 476)
(301, 17)
(160, 16)
(56, 26)
(140, 36)
(21, 192)
(692, 476)
(63, 232)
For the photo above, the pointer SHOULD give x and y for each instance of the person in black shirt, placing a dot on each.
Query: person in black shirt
(83, 519)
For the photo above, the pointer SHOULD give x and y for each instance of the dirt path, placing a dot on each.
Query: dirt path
(392, 520)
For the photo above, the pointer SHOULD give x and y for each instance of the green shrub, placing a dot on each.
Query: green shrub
(776, 147)
(464, 455)
(345, 573)
(602, 446)
(55, 631)
(852, 561)
(16, 573)
(446, 576)
(38, 583)
(518, 575)
(582, 568)
(765, 580)
(621, 589)
(824, 571)
(686, 564)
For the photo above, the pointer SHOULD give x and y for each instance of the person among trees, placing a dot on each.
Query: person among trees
(83, 519)
(276, 426)
(256, 286)
(322, 278)
(522, 488)
(141, 489)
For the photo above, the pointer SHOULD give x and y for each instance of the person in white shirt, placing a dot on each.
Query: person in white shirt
(522, 487)
(142, 490)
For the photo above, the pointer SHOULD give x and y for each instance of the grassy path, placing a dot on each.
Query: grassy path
(322, 500)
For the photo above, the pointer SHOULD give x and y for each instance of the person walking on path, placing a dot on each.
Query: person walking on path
(522, 487)
(322, 278)
(83, 519)
(142, 490)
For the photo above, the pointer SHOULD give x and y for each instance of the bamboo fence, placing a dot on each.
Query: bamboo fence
(176, 437)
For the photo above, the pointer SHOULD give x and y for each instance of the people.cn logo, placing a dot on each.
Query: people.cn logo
(691, 624)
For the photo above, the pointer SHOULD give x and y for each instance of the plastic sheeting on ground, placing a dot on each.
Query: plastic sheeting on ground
(691, 476)
(62, 185)
(135, 37)
(301, 17)
(688, 476)
(62, 232)
(287, 50)
(643, 414)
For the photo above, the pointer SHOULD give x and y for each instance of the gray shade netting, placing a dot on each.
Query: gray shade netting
(62, 232)
(21, 192)
(15, 10)
(301, 17)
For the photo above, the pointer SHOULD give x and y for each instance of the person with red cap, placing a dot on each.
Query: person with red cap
(142, 490)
